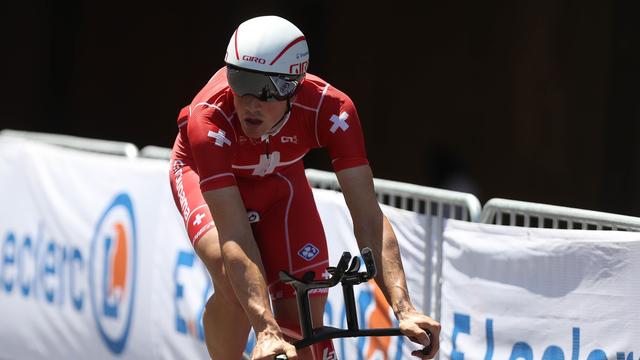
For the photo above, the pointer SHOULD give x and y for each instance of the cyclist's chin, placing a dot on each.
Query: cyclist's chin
(253, 131)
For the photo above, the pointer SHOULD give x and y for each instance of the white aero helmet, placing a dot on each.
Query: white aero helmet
(267, 57)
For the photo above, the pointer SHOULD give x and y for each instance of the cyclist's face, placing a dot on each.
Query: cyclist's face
(257, 117)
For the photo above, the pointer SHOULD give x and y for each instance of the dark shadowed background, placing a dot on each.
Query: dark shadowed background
(527, 100)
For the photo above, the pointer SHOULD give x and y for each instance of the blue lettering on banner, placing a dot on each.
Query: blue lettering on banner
(76, 267)
(575, 347)
(461, 324)
(48, 272)
(597, 355)
(620, 356)
(489, 333)
(27, 248)
(521, 350)
(553, 353)
(188, 323)
(8, 262)
(184, 259)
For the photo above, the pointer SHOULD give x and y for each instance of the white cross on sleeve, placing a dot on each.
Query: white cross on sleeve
(339, 122)
(220, 137)
(198, 219)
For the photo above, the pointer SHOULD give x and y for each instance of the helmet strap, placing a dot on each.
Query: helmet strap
(276, 127)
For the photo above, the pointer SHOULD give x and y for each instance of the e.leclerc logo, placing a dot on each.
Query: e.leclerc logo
(112, 272)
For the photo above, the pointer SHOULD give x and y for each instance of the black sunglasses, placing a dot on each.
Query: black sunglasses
(264, 86)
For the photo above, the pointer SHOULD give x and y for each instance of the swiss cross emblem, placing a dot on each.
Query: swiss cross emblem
(339, 122)
(267, 164)
(198, 219)
(220, 138)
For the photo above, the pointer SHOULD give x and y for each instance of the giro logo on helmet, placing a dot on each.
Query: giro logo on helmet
(254, 59)
(300, 68)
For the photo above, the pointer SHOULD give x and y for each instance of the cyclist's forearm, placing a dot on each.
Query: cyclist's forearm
(390, 277)
(393, 273)
(241, 256)
(248, 282)
(373, 230)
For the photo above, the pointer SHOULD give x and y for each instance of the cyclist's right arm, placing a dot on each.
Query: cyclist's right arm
(245, 270)
(211, 140)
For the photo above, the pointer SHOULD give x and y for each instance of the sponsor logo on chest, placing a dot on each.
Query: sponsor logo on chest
(289, 139)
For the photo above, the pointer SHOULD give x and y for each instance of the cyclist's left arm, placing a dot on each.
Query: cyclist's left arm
(373, 230)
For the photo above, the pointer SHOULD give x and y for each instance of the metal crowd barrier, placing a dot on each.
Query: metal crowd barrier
(436, 204)
(155, 152)
(79, 143)
(527, 214)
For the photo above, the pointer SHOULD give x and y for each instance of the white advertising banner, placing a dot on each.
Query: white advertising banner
(95, 262)
(518, 293)
(373, 309)
(92, 258)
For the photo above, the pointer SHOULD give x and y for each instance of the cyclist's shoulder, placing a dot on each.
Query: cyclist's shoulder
(215, 100)
(319, 94)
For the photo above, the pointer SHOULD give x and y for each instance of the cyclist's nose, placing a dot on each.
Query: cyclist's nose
(250, 102)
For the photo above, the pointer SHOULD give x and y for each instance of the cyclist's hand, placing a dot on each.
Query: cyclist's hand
(421, 329)
(269, 344)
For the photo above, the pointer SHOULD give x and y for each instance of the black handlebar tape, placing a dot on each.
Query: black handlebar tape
(369, 262)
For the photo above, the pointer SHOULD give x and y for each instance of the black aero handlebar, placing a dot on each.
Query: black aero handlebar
(348, 275)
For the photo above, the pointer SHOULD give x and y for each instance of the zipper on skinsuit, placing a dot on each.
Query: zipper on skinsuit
(267, 143)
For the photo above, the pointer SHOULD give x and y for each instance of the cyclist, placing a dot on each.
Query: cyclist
(238, 179)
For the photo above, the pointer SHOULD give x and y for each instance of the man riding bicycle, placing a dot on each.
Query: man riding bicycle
(236, 169)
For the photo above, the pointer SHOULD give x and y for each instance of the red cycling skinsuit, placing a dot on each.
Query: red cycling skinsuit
(211, 151)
